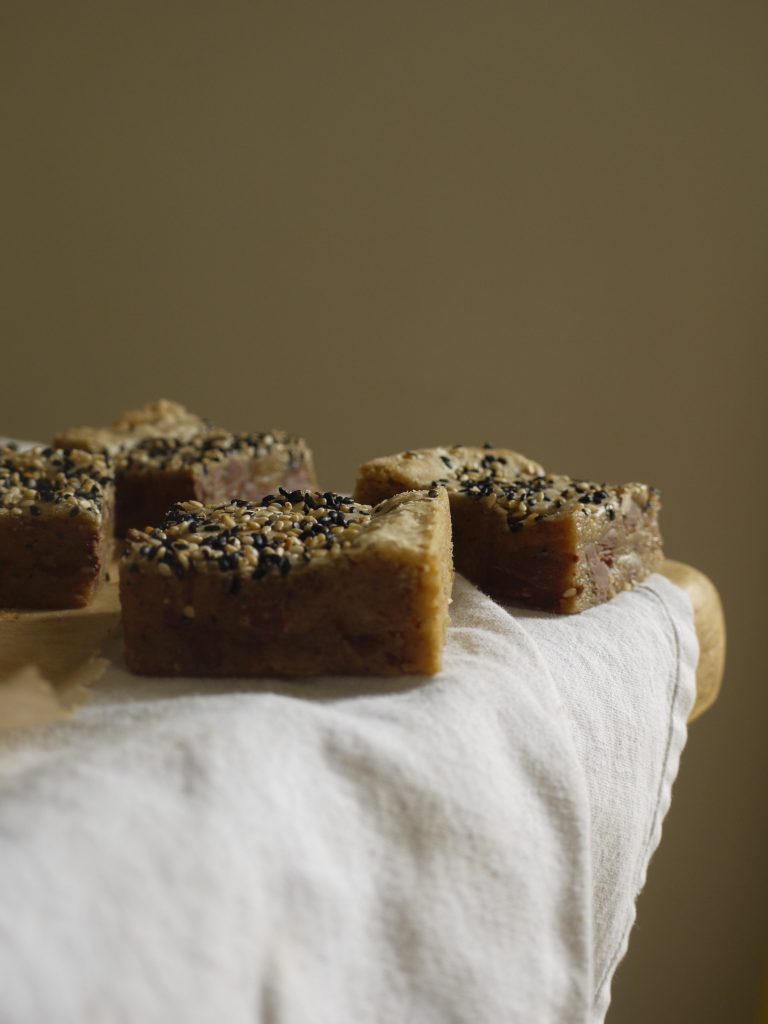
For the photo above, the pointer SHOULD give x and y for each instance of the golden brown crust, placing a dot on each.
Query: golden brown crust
(419, 468)
(163, 418)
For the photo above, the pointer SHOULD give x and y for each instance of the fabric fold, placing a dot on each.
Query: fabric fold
(462, 848)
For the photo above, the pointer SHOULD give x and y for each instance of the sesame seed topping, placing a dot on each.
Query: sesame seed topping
(530, 500)
(248, 540)
(46, 481)
(208, 448)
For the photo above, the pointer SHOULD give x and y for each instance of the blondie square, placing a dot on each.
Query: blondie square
(163, 418)
(300, 583)
(212, 467)
(541, 540)
(421, 467)
(55, 527)
(164, 454)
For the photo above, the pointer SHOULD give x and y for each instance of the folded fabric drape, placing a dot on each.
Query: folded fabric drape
(462, 848)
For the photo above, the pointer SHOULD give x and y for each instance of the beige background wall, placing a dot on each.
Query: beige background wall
(391, 225)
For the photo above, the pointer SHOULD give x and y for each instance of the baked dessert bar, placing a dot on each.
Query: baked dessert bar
(422, 467)
(543, 540)
(55, 527)
(212, 467)
(165, 454)
(300, 583)
(155, 419)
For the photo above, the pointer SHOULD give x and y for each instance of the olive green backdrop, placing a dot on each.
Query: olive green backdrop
(386, 225)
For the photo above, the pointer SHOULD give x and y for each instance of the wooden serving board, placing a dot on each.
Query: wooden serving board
(710, 628)
(50, 659)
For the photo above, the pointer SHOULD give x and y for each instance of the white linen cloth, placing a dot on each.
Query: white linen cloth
(466, 848)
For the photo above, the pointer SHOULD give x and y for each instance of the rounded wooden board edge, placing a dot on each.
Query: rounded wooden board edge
(709, 620)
